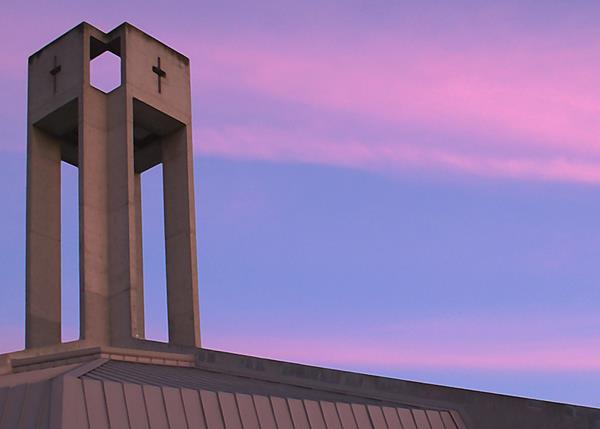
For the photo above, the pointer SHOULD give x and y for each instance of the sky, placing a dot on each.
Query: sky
(409, 189)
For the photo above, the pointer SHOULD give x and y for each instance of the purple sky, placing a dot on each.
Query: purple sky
(402, 189)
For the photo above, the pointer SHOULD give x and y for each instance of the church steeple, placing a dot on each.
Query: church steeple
(112, 138)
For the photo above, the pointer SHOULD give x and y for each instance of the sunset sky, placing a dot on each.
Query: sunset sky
(409, 189)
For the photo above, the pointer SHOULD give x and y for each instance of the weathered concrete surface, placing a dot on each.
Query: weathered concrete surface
(43, 240)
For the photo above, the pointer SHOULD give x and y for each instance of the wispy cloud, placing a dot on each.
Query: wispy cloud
(391, 157)
(546, 94)
(528, 111)
(337, 354)
(525, 344)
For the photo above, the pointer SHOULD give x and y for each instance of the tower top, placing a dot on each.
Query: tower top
(112, 138)
(107, 37)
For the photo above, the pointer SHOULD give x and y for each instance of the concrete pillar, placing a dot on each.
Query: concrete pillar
(93, 221)
(54, 88)
(180, 238)
(139, 260)
(124, 276)
(42, 315)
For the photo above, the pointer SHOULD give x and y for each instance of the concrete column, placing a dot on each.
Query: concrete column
(94, 222)
(125, 289)
(139, 260)
(42, 301)
(180, 239)
(54, 90)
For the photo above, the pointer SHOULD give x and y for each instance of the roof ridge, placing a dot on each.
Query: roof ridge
(84, 368)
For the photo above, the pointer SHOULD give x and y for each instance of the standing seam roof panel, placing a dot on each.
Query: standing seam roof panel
(247, 411)
(174, 407)
(212, 410)
(458, 420)
(421, 419)
(95, 404)
(298, 414)
(361, 416)
(157, 415)
(74, 414)
(230, 411)
(406, 418)
(115, 404)
(315, 415)
(265, 412)
(136, 407)
(193, 409)
(346, 416)
(282, 413)
(391, 418)
(448, 421)
(377, 418)
(435, 420)
(332, 420)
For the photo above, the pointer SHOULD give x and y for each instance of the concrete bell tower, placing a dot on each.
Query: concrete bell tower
(111, 138)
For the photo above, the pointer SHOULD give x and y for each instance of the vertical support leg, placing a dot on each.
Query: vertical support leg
(139, 260)
(121, 188)
(93, 218)
(180, 239)
(43, 312)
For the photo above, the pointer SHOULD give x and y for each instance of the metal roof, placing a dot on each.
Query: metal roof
(133, 395)
(202, 379)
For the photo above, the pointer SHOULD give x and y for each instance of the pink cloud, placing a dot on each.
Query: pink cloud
(529, 91)
(288, 146)
(512, 100)
(476, 344)
(557, 356)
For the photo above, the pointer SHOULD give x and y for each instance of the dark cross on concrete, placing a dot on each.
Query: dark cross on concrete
(159, 73)
(55, 70)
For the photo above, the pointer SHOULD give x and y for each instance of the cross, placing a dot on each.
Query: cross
(55, 70)
(159, 73)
